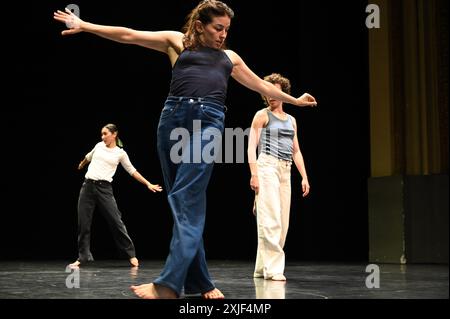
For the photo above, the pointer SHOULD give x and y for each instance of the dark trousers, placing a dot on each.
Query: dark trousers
(100, 194)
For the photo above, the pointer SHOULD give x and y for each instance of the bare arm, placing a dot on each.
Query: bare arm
(83, 163)
(164, 41)
(259, 121)
(300, 164)
(153, 187)
(245, 76)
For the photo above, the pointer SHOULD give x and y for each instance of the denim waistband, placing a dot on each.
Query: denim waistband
(211, 102)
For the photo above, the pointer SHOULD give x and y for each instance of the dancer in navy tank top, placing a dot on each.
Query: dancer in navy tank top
(201, 66)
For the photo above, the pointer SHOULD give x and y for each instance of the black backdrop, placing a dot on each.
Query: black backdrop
(61, 90)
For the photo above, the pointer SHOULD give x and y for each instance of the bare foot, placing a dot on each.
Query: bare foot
(213, 294)
(134, 262)
(153, 291)
(279, 277)
(75, 264)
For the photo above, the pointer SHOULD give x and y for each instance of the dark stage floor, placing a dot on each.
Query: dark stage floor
(111, 279)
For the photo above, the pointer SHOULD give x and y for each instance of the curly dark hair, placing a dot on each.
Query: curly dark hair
(205, 11)
(276, 78)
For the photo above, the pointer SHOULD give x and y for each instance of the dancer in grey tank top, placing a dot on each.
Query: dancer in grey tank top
(274, 133)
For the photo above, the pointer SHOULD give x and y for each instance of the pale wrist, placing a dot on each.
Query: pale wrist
(85, 26)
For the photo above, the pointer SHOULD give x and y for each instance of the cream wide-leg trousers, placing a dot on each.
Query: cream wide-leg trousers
(272, 214)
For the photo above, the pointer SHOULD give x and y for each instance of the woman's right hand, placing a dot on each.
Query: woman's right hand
(72, 22)
(254, 184)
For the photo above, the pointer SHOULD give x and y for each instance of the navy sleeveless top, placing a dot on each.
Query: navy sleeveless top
(201, 73)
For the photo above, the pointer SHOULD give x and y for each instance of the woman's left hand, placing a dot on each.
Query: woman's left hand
(305, 187)
(306, 100)
(154, 188)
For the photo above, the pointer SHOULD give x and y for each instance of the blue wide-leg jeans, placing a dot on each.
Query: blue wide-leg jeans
(189, 140)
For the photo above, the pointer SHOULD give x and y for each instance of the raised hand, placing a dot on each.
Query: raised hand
(306, 100)
(72, 22)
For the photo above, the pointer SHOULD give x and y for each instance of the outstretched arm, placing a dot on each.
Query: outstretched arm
(126, 164)
(83, 163)
(300, 163)
(163, 41)
(245, 76)
(153, 187)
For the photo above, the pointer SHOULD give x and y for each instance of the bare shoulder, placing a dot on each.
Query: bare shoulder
(261, 113)
(176, 40)
(261, 117)
(233, 56)
(175, 45)
(157, 40)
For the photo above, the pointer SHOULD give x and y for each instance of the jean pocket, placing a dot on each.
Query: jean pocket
(168, 109)
(212, 113)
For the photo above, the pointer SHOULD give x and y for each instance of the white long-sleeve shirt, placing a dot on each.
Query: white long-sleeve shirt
(104, 161)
